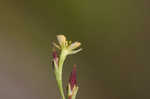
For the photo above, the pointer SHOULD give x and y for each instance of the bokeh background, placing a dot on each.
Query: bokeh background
(115, 37)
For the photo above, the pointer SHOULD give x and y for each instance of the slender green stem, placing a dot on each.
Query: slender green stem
(59, 82)
(62, 59)
(59, 73)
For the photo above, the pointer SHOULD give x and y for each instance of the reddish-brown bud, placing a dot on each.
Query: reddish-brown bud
(73, 78)
(55, 58)
(54, 54)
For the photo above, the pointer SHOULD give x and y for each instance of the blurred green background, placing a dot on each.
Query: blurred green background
(114, 34)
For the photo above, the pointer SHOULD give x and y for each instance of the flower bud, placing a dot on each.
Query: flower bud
(54, 54)
(72, 86)
(72, 79)
(55, 58)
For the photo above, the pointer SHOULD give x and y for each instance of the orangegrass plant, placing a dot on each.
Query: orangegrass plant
(66, 48)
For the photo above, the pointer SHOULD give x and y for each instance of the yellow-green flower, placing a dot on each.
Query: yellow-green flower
(67, 46)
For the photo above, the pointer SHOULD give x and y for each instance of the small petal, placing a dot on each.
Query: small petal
(61, 39)
(76, 51)
(57, 46)
(72, 92)
(74, 45)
